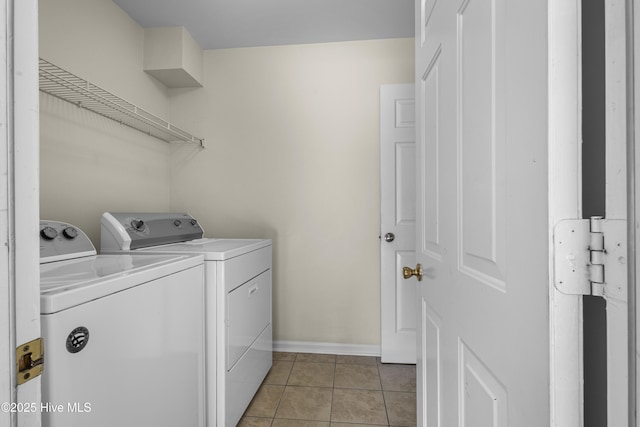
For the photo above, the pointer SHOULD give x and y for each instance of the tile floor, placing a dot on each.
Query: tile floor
(325, 390)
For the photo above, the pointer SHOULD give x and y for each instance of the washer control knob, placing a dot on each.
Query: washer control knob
(70, 233)
(137, 224)
(177, 223)
(48, 233)
(194, 222)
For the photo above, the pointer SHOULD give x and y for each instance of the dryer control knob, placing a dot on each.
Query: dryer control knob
(70, 233)
(137, 224)
(48, 233)
(177, 223)
(194, 222)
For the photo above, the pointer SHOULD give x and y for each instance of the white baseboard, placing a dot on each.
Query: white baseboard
(327, 348)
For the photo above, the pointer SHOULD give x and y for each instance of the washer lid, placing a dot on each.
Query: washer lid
(65, 284)
(212, 249)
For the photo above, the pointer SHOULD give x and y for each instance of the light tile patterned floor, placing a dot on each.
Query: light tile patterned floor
(325, 390)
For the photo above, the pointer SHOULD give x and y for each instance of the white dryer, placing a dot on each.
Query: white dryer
(238, 300)
(123, 335)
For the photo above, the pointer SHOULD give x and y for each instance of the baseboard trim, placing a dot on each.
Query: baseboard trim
(327, 348)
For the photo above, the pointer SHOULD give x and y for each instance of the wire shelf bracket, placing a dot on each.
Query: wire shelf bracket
(66, 86)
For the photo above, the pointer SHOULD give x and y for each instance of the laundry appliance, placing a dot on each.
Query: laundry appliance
(123, 335)
(238, 300)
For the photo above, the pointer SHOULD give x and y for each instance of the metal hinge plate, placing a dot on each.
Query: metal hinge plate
(591, 257)
(29, 360)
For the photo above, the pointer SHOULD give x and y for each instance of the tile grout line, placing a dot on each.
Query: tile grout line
(273, 419)
(384, 400)
(333, 389)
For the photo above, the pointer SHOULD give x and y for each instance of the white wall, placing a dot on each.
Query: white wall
(293, 155)
(91, 164)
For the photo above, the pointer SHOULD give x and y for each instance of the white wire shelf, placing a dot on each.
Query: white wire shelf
(62, 84)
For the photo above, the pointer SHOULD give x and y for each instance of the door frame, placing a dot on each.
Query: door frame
(565, 130)
(19, 207)
(7, 327)
(633, 214)
(565, 136)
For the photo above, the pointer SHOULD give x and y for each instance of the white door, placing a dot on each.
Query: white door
(20, 282)
(397, 222)
(485, 81)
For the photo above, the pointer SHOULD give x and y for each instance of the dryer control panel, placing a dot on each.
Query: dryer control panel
(135, 230)
(61, 240)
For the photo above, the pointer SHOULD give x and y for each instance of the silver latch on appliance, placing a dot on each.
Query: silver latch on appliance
(591, 257)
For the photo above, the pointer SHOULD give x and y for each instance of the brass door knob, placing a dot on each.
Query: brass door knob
(407, 272)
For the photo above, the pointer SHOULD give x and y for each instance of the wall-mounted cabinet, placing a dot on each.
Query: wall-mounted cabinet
(173, 57)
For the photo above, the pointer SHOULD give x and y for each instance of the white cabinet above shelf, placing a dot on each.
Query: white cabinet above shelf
(62, 84)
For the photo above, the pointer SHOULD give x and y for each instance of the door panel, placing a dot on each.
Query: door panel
(482, 396)
(429, 170)
(397, 216)
(482, 224)
(405, 199)
(429, 387)
(481, 143)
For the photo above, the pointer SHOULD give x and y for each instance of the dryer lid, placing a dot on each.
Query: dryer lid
(212, 249)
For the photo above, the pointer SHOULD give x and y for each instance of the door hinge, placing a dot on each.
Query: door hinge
(591, 257)
(29, 360)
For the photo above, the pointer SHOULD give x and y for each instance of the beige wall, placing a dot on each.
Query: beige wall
(90, 164)
(293, 155)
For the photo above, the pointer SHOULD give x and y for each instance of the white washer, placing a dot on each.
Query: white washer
(238, 300)
(123, 335)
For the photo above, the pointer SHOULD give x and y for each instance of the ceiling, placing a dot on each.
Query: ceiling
(220, 24)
